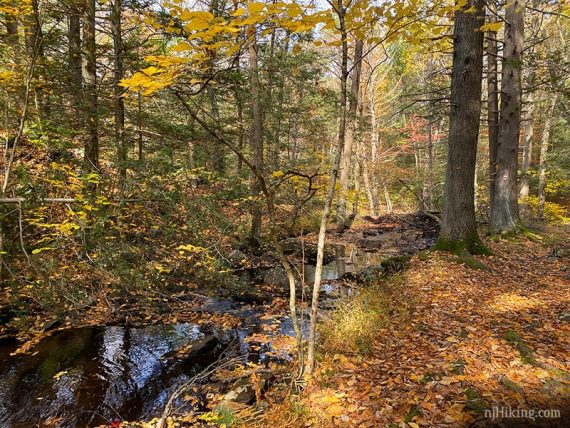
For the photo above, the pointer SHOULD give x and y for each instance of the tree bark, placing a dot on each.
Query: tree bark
(139, 127)
(256, 137)
(528, 133)
(543, 162)
(505, 209)
(369, 176)
(118, 75)
(341, 218)
(74, 64)
(492, 108)
(35, 46)
(458, 220)
(91, 144)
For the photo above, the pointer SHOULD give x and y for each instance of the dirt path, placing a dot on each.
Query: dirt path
(469, 340)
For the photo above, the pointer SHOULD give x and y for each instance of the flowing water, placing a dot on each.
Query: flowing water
(96, 375)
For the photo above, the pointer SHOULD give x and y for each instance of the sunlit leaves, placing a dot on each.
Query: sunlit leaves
(492, 26)
(203, 38)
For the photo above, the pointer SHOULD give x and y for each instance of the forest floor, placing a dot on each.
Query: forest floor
(453, 341)
(459, 341)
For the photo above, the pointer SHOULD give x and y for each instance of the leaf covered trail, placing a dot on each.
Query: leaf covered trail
(466, 340)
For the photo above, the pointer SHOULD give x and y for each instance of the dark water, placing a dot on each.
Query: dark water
(96, 375)
(93, 375)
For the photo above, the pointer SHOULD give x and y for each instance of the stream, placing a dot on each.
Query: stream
(92, 376)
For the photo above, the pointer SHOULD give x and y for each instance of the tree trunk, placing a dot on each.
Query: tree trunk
(310, 364)
(139, 127)
(256, 137)
(91, 145)
(527, 153)
(492, 108)
(387, 200)
(505, 210)
(369, 176)
(542, 162)
(118, 75)
(428, 173)
(35, 46)
(239, 105)
(74, 65)
(217, 150)
(341, 218)
(528, 133)
(458, 220)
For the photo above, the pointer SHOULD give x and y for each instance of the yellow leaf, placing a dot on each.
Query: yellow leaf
(492, 26)
(182, 46)
(60, 374)
(149, 71)
(255, 7)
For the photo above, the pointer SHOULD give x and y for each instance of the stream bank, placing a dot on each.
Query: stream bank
(99, 374)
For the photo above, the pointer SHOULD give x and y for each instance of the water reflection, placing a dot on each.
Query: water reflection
(89, 376)
(348, 260)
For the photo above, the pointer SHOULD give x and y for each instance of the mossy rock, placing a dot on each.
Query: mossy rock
(474, 402)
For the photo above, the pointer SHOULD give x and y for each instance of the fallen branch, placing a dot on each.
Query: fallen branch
(19, 200)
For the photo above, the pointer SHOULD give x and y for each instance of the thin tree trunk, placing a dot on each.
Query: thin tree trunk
(256, 137)
(388, 201)
(505, 209)
(310, 364)
(118, 75)
(217, 150)
(239, 104)
(91, 145)
(139, 126)
(458, 220)
(543, 162)
(74, 65)
(369, 181)
(428, 178)
(34, 44)
(528, 135)
(276, 146)
(341, 218)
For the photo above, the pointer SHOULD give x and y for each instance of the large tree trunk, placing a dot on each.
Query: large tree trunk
(118, 75)
(505, 209)
(542, 162)
(528, 134)
(91, 144)
(256, 136)
(341, 218)
(492, 108)
(458, 220)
